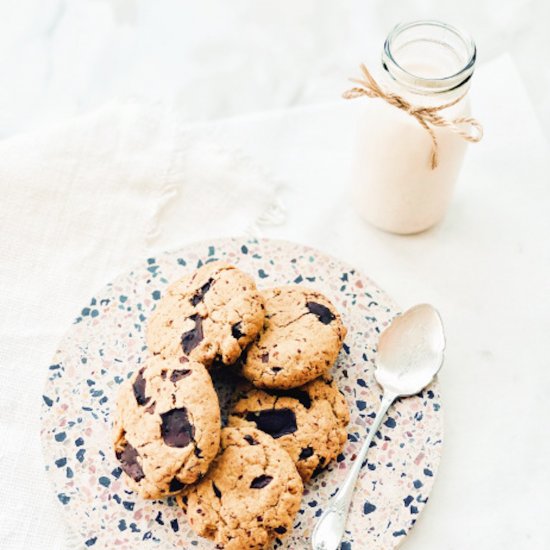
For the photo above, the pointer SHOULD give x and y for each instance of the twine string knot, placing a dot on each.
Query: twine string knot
(467, 128)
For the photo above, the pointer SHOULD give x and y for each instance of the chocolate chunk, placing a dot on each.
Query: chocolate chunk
(280, 530)
(261, 482)
(176, 430)
(323, 313)
(192, 338)
(176, 485)
(317, 471)
(151, 408)
(241, 361)
(250, 440)
(128, 461)
(139, 389)
(275, 422)
(199, 295)
(276, 369)
(319, 468)
(163, 374)
(300, 395)
(198, 452)
(217, 492)
(306, 453)
(265, 357)
(236, 331)
(179, 374)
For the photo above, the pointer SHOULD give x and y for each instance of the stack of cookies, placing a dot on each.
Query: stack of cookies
(240, 486)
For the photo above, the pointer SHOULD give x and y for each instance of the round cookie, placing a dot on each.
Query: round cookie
(309, 422)
(250, 495)
(213, 313)
(301, 338)
(167, 426)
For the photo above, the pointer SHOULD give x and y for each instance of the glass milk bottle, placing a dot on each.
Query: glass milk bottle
(407, 159)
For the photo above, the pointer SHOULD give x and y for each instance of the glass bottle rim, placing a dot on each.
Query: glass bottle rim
(428, 85)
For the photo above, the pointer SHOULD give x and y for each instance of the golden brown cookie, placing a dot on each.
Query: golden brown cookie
(213, 313)
(309, 422)
(301, 338)
(250, 495)
(167, 426)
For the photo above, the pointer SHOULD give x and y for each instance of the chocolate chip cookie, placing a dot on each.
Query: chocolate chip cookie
(167, 426)
(213, 313)
(250, 495)
(309, 422)
(301, 338)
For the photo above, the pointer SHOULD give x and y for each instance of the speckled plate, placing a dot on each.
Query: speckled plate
(105, 344)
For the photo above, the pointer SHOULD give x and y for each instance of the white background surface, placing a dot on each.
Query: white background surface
(216, 58)
(486, 267)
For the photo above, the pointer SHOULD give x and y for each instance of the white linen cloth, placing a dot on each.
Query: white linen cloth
(80, 204)
(86, 201)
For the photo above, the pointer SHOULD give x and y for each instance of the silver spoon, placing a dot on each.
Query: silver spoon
(410, 354)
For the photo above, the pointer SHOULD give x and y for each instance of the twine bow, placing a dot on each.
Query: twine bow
(467, 128)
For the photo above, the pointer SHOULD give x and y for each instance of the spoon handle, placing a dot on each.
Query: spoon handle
(331, 525)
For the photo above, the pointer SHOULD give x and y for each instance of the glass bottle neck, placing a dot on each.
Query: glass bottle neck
(428, 62)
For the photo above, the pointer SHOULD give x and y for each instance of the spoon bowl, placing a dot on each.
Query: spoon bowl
(410, 351)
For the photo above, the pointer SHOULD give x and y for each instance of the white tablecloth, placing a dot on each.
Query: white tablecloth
(86, 201)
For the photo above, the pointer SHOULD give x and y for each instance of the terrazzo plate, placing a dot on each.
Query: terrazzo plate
(106, 343)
